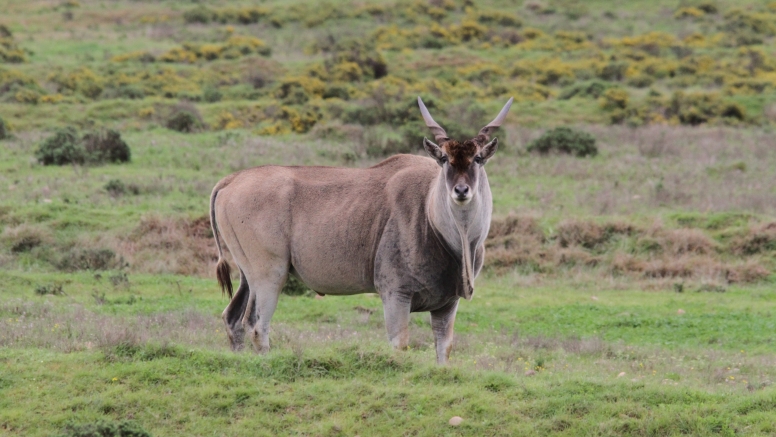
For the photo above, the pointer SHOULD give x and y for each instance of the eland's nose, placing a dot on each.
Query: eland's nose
(462, 191)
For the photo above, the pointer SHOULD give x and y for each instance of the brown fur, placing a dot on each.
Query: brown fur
(461, 154)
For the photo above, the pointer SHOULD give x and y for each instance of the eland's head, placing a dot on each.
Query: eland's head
(462, 161)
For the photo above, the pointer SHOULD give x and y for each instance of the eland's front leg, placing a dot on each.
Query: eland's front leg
(442, 321)
(397, 319)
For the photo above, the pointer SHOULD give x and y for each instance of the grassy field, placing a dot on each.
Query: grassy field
(625, 363)
(627, 293)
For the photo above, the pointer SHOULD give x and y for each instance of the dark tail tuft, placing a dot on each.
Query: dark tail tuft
(223, 273)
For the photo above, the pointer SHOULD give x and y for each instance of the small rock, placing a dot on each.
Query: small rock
(530, 372)
(680, 312)
(621, 374)
(455, 420)
(594, 297)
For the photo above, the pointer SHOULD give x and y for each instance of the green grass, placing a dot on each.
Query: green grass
(546, 347)
(331, 372)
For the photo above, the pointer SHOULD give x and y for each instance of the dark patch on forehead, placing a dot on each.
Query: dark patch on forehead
(461, 154)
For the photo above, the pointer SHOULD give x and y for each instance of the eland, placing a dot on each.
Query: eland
(411, 229)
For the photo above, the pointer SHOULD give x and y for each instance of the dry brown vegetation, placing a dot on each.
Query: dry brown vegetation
(167, 245)
(619, 248)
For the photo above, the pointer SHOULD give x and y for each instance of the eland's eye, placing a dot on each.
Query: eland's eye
(443, 160)
(478, 160)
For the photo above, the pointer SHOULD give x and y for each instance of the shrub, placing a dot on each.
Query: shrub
(381, 141)
(338, 90)
(81, 81)
(589, 89)
(106, 146)
(88, 259)
(295, 287)
(760, 239)
(500, 18)
(698, 108)
(708, 7)
(25, 237)
(235, 47)
(211, 94)
(130, 92)
(640, 81)
(565, 140)
(66, 147)
(9, 51)
(739, 20)
(200, 14)
(614, 98)
(62, 148)
(52, 289)
(357, 51)
(688, 12)
(185, 118)
(4, 134)
(298, 90)
(613, 71)
(115, 187)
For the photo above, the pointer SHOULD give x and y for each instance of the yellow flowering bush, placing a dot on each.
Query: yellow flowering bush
(688, 12)
(82, 81)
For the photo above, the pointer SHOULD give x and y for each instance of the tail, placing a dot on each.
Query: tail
(223, 271)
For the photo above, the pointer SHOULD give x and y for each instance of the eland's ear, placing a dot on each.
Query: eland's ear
(488, 150)
(435, 151)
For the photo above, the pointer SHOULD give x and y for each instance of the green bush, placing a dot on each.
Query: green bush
(4, 134)
(640, 81)
(698, 108)
(295, 287)
(106, 146)
(613, 71)
(115, 187)
(62, 148)
(588, 89)
(565, 140)
(67, 147)
(185, 118)
(89, 259)
(380, 141)
(200, 14)
(130, 92)
(500, 18)
(52, 289)
(211, 94)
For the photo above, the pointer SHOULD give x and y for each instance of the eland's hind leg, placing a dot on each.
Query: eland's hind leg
(233, 315)
(265, 286)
